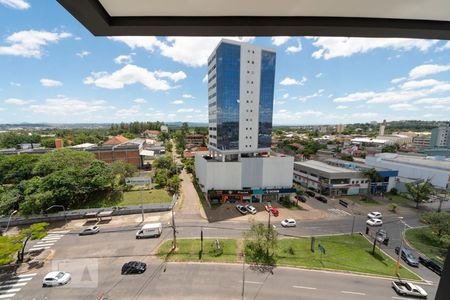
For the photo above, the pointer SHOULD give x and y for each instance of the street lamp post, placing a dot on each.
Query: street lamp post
(397, 266)
(9, 220)
(64, 209)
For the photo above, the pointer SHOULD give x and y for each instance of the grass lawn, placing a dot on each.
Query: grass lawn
(150, 196)
(423, 240)
(399, 199)
(357, 199)
(189, 250)
(347, 253)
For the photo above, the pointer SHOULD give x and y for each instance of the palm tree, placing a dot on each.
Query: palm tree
(373, 176)
(420, 190)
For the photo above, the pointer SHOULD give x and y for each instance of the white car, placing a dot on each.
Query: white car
(56, 278)
(375, 215)
(90, 230)
(374, 222)
(288, 223)
(405, 288)
(251, 209)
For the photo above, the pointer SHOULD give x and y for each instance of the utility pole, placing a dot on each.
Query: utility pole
(243, 273)
(353, 224)
(142, 207)
(397, 265)
(174, 241)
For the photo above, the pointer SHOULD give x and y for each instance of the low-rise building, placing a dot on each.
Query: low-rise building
(150, 134)
(195, 140)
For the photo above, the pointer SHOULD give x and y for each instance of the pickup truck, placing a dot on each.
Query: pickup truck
(405, 288)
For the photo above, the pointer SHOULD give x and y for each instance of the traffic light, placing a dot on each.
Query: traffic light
(367, 230)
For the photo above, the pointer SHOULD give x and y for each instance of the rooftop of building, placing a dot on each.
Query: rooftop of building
(115, 140)
(427, 161)
(324, 167)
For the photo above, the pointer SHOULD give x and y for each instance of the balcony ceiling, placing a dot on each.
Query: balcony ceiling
(371, 18)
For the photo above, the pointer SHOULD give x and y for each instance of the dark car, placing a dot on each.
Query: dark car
(321, 198)
(310, 193)
(301, 198)
(408, 257)
(134, 267)
(433, 266)
(241, 209)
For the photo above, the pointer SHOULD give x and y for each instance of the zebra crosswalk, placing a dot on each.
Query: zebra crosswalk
(48, 241)
(10, 287)
(338, 212)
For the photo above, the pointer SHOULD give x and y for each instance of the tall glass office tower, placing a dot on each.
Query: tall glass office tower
(240, 92)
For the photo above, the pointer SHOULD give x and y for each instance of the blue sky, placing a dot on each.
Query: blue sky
(53, 70)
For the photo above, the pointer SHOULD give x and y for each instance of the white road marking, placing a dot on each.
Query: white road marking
(26, 275)
(62, 232)
(7, 296)
(14, 285)
(353, 293)
(42, 244)
(339, 212)
(51, 238)
(254, 282)
(16, 280)
(304, 287)
(10, 291)
(38, 248)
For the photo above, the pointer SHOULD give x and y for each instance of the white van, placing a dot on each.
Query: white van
(149, 230)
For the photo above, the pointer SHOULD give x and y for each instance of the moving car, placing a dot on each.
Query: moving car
(321, 198)
(241, 209)
(90, 230)
(375, 215)
(433, 266)
(275, 211)
(149, 230)
(407, 256)
(405, 288)
(300, 198)
(251, 209)
(374, 222)
(288, 223)
(56, 278)
(134, 267)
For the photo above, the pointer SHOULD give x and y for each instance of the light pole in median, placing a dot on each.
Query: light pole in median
(397, 265)
(9, 220)
(60, 206)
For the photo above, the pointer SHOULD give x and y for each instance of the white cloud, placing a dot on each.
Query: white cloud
(190, 51)
(403, 106)
(341, 107)
(420, 84)
(129, 74)
(292, 81)
(126, 113)
(180, 75)
(446, 46)
(177, 102)
(16, 101)
(16, 4)
(332, 47)
(398, 80)
(140, 101)
(16, 84)
(354, 97)
(294, 49)
(66, 106)
(284, 115)
(280, 40)
(280, 102)
(83, 54)
(205, 79)
(2, 109)
(50, 82)
(185, 110)
(318, 75)
(285, 96)
(123, 59)
(445, 100)
(30, 43)
(188, 96)
(425, 70)
(316, 94)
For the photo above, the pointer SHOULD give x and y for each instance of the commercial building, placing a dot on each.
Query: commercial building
(412, 168)
(195, 140)
(129, 151)
(240, 165)
(440, 137)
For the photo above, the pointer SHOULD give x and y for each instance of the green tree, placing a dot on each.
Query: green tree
(389, 148)
(173, 184)
(8, 246)
(347, 157)
(122, 169)
(261, 244)
(9, 199)
(160, 178)
(373, 176)
(16, 168)
(62, 159)
(35, 232)
(419, 191)
(163, 136)
(439, 222)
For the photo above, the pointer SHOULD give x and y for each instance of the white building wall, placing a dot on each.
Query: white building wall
(278, 172)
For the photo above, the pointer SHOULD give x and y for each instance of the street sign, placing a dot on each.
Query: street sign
(138, 180)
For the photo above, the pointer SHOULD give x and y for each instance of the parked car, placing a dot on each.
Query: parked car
(275, 212)
(321, 198)
(405, 288)
(407, 256)
(241, 209)
(301, 198)
(134, 267)
(288, 223)
(375, 215)
(56, 278)
(432, 265)
(310, 193)
(374, 222)
(90, 230)
(251, 209)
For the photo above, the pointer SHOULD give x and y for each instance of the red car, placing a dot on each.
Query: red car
(275, 212)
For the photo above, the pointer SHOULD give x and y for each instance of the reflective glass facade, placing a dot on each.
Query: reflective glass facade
(268, 60)
(228, 83)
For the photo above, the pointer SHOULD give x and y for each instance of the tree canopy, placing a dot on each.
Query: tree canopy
(419, 191)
